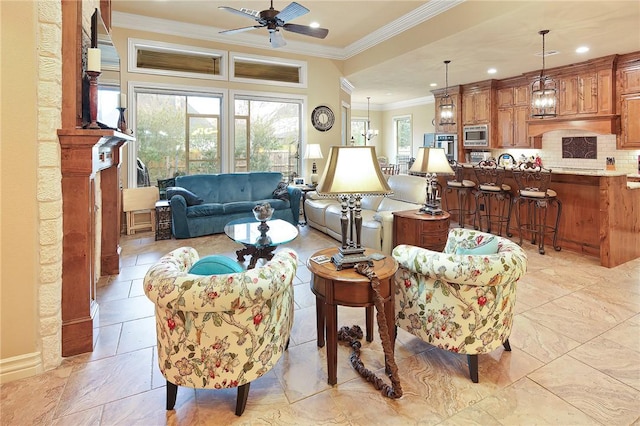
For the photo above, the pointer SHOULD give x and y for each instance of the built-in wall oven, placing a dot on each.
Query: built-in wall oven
(475, 136)
(450, 144)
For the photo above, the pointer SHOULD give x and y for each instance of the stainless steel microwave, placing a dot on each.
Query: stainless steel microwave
(475, 136)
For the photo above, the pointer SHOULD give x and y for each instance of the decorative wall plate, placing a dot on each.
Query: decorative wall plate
(322, 118)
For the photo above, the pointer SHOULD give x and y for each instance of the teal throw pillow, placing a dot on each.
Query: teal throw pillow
(191, 198)
(215, 265)
(483, 247)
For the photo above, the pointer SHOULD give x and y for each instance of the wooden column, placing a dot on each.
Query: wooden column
(84, 153)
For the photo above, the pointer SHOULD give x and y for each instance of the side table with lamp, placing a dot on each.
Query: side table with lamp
(431, 161)
(351, 173)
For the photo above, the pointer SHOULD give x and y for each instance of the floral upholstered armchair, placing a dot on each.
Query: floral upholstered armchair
(220, 331)
(460, 300)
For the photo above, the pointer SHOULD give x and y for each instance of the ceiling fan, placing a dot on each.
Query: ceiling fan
(273, 20)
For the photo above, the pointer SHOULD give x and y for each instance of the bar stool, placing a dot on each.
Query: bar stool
(534, 193)
(462, 187)
(495, 194)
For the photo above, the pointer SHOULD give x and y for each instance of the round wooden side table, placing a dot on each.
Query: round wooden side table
(348, 288)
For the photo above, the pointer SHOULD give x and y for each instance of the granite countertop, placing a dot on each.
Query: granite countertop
(579, 171)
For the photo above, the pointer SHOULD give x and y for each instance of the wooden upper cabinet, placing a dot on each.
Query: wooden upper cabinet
(630, 115)
(629, 78)
(587, 89)
(512, 116)
(476, 107)
(567, 95)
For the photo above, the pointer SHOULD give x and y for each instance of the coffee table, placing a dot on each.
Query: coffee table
(259, 241)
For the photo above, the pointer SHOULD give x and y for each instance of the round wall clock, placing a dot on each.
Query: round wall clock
(322, 118)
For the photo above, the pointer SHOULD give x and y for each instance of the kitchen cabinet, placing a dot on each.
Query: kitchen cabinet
(588, 92)
(512, 116)
(476, 107)
(628, 87)
(512, 128)
(629, 113)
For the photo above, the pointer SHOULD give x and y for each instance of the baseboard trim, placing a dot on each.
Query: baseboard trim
(21, 366)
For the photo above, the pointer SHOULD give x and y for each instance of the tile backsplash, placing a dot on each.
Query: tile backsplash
(551, 152)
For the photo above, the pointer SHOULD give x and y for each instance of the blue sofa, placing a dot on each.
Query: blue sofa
(228, 196)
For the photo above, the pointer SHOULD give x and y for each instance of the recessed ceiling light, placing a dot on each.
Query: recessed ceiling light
(314, 25)
(582, 49)
(492, 71)
(433, 85)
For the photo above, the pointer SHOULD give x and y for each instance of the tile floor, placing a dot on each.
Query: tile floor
(575, 359)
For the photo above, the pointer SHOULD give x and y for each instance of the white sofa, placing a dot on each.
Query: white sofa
(409, 193)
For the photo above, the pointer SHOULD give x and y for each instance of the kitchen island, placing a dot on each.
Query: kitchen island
(600, 212)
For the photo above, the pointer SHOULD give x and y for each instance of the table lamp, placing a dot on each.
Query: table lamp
(313, 152)
(351, 173)
(431, 161)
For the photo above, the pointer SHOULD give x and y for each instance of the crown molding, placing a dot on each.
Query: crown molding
(210, 33)
(417, 16)
(426, 100)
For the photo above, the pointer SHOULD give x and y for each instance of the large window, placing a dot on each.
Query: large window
(267, 134)
(178, 133)
(403, 140)
(182, 133)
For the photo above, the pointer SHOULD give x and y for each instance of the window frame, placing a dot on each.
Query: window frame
(135, 44)
(237, 56)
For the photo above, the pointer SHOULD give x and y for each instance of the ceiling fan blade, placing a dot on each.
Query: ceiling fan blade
(292, 11)
(253, 14)
(276, 39)
(306, 30)
(239, 30)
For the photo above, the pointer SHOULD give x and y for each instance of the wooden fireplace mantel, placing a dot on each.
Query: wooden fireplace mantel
(84, 153)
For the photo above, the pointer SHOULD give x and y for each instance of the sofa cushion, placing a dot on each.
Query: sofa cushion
(215, 265)
(478, 246)
(207, 209)
(240, 207)
(281, 192)
(391, 205)
(191, 198)
(411, 189)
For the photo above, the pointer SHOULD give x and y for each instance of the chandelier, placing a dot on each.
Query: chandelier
(447, 115)
(543, 91)
(368, 132)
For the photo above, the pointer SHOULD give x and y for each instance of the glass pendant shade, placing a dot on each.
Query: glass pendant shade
(369, 132)
(447, 108)
(544, 94)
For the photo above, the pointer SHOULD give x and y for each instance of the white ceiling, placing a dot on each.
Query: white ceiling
(393, 50)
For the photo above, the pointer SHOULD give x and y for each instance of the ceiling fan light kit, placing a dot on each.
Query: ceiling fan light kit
(273, 20)
(447, 108)
(543, 91)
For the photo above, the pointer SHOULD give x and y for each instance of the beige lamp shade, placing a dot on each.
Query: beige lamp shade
(431, 160)
(313, 152)
(353, 170)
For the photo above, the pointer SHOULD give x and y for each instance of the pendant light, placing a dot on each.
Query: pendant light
(368, 132)
(447, 109)
(544, 98)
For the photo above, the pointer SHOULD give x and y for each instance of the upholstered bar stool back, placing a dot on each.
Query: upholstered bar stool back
(493, 197)
(461, 188)
(533, 202)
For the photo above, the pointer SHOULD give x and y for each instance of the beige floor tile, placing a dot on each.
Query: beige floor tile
(526, 402)
(106, 380)
(627, 333)
(598, 395)
(539, 341)
(611, 358)
(138, 334)
(133, 308)
(90, 417)
(32, 401)
(470, 417)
